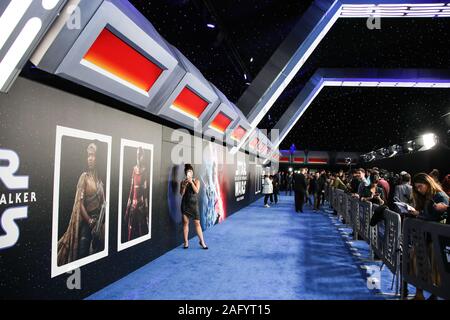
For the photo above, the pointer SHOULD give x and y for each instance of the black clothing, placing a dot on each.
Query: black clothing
(354, 185)
(300, 187)
(299, 200)
(189, 203)
(367, 194)
(300, 183)
(266, 198)
(86, 235)
(289, 184)
(321, 182)
(313, 186)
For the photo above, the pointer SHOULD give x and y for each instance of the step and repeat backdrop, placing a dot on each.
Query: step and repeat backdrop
(89, 193)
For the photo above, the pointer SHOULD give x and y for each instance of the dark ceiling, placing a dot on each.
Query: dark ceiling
(358, 119)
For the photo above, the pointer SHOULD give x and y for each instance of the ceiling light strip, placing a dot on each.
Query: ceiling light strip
(11, 18)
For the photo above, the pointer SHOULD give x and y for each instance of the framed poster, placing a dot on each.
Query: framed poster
(80, 199)
(135, 193)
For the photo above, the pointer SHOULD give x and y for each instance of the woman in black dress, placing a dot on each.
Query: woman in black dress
(189, 190)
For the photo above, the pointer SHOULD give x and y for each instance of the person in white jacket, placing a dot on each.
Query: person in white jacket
(267, 190)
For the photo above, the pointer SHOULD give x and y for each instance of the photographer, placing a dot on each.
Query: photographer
(374, 193)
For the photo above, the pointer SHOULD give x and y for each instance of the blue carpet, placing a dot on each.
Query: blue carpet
(257, 253)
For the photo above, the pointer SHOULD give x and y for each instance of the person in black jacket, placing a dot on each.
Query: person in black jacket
(320, 193)
(313, 187)
(300, 190)
(276, 186)
(289, 183)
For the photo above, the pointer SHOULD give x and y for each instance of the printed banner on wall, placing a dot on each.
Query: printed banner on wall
(135, 193)
(211, 176)
(240, 180)
(80, 199)
(259, 177)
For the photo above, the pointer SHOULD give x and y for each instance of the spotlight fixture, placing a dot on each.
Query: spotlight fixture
(394, 150)
(409, 146)
(428, 141)
(211, 26)
(368, 157)
(382, 153)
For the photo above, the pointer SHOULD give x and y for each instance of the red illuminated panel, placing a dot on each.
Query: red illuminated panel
(299, 160)
(190, 103)
(284, 159)
(238, 133)
(317, 160)
(221, 122)
(254, 143)
(116, 57)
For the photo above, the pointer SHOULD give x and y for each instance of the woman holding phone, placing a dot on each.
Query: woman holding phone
(189, 190)
(373, 193)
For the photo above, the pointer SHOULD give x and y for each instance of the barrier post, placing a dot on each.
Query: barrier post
(355, 216)
(386, 244)
(426, 256)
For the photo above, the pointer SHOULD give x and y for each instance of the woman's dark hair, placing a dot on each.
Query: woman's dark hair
(435, 174)
(375, 179)
(188, 167)
(406, 177)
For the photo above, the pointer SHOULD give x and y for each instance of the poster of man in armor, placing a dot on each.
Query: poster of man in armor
(135, 193)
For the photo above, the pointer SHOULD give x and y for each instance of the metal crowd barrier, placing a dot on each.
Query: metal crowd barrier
(330, 195)
(373, 234)
(339, 194)
(386, 244)
(354, 209)
(426, 256)
(426, 245)
(386, 241)
(364, 216)
(335, 199)
(346, 209)
(327, 195)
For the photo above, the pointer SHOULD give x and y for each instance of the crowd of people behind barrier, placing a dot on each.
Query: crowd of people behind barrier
(422, 196)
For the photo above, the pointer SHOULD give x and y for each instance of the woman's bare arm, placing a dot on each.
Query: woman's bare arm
(196, 186)
(183, 187)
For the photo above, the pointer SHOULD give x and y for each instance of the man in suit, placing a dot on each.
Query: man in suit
(300, 187)
(289, 183)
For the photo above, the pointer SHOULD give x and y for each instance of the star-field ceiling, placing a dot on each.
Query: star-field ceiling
(247, 33)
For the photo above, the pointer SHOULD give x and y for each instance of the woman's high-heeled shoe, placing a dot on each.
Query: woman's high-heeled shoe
(203, 247)
(186, 247)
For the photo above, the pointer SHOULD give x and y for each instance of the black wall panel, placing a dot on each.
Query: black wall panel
(29, 116)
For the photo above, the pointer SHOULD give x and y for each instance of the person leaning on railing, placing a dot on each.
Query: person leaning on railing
(338, 184)
(431, 204)
(374, 193)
